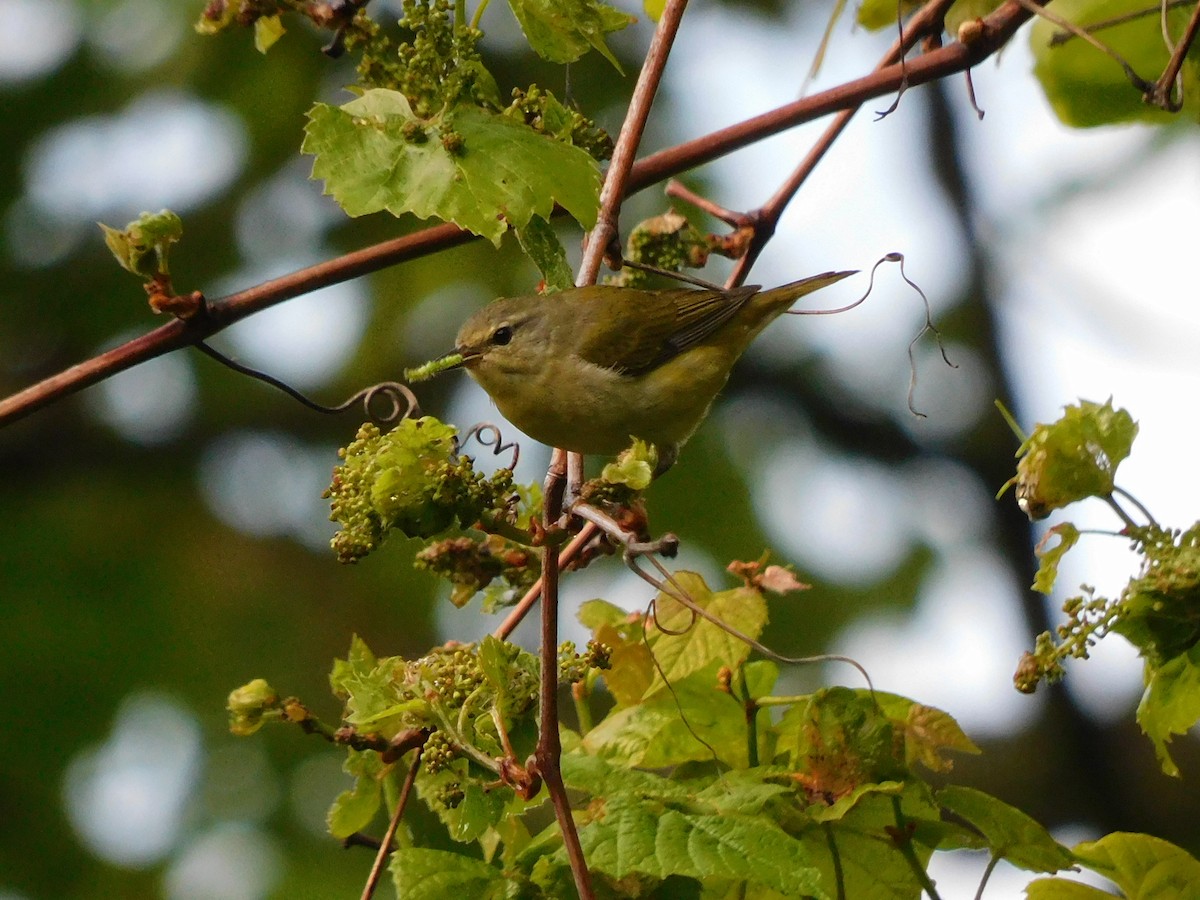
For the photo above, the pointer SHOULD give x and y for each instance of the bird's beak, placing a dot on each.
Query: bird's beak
(465, 357)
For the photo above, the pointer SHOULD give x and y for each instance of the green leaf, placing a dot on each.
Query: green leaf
(629, 836)
(694, 722)
(654, 8)
(359, 662)
(1073, 458)
(421, 874)
(1171, 704)
(267, 30)
(1142, 865)
(839, 740)
(354, 809)
(1063, 889)
(745, 791)
(482, 171)
(1010, 833)
(928, 731)
(595, 613)
(634, 467)
(698, 644)
(1050, 557)
(479, 810)
(602, 777)
(543, 247)
(1085, 86)
(876, 14)
(563, 30)
(759, 678)
(870, 863)
(142, 246)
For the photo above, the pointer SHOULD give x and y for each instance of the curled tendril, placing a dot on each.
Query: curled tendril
(488, 435)
(403, 402)
(927, 328)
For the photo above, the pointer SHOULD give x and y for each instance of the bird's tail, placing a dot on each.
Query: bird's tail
(788, 294)
(765, 306)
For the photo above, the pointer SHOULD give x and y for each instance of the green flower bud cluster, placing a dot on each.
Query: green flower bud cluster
(438, 753)
(467, 685)
(542, 112)
(438, 67)
(411, 479)
(471, 565)
(452, 672)
(1158, 611)
(450, 795)
(573, 666)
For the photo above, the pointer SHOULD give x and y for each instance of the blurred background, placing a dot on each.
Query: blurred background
(162, 535)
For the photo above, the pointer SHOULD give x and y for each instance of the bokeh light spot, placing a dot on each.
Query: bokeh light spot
(165, 149)
(38, 35)
(127, 797)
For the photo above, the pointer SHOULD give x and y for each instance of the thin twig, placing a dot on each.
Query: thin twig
(1117, 508)
(616, 179)
(385, 846)
(1160, 94)
(902, 836)
(767, 217)
(517, 614)
(1063, 37)
(987, 874)
(1138, 503)
(839, 877)
(1138, 81)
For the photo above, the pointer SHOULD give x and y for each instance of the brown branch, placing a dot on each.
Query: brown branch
(612, 195)
(995, 31)
(517, 614)
(1160, 94)
(547, 756)
(927, 20)
(385, 846)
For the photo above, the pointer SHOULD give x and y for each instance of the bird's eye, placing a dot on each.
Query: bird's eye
(502, 335)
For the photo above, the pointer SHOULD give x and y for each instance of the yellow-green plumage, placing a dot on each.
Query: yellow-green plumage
(588, 368)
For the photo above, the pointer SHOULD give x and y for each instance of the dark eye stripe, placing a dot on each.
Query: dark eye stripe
(502, 335)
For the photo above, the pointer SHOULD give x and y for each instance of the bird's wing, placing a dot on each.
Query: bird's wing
(658, 325)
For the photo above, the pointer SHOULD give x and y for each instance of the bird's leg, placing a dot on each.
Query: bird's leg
(574, 479)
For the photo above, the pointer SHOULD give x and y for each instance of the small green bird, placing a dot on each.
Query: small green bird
(588, 369)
